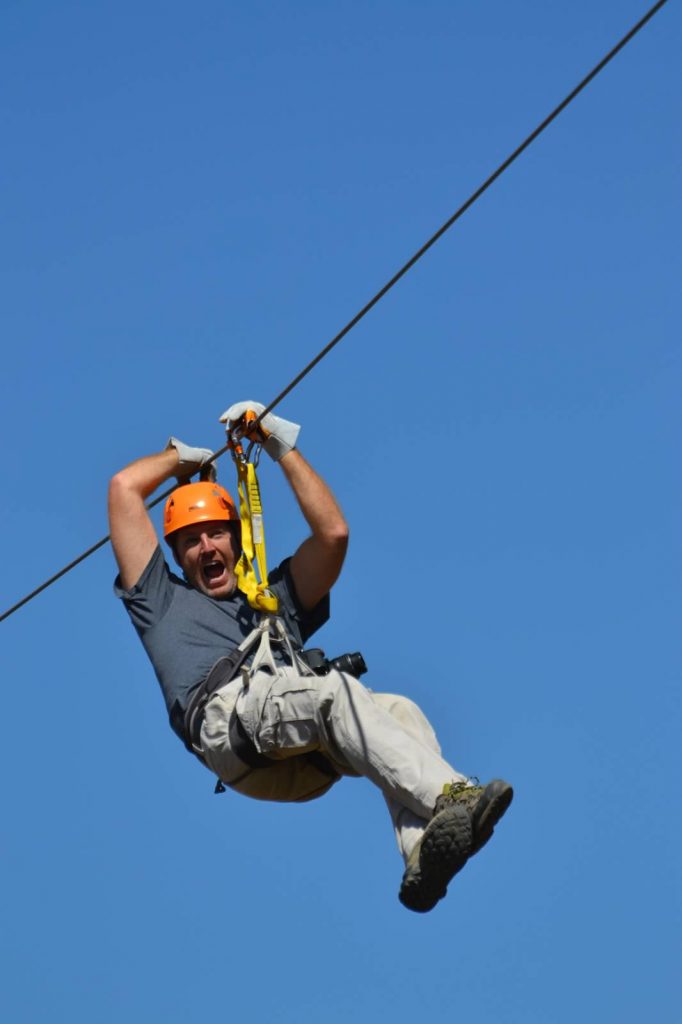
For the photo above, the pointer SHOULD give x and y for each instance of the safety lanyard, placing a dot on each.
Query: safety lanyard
(251, 570)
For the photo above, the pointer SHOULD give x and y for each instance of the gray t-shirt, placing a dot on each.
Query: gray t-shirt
(185, 632)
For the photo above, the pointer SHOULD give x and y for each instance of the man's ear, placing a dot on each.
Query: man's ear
(179, 563)
(237, 538)
(175, 557)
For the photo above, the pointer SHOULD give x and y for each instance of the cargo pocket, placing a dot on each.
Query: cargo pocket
(281, 714)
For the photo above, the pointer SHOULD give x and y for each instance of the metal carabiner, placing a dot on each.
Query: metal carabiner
(236, 435)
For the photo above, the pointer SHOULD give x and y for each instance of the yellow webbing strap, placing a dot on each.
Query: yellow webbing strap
(253, 542)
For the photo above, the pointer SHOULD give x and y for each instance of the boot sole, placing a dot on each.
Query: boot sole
(445, 849)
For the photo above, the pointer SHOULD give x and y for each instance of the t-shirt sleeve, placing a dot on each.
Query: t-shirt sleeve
(306, 621)
(149, 600)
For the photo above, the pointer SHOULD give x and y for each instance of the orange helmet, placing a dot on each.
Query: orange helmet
(197, 503)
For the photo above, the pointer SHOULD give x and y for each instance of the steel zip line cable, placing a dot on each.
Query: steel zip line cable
(389, 284)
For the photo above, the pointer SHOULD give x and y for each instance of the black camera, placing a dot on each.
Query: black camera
(352, 664)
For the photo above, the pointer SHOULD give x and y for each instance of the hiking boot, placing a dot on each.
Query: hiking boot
(485, 804)
(463, 821)
(442, 851)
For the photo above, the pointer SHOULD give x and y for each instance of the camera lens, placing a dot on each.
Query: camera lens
(353, 664)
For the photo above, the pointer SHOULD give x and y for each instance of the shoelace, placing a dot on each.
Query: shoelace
(459, 792)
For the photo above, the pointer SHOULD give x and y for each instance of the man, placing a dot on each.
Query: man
(237, 690)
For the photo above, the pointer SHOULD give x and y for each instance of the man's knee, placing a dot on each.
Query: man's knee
(410, 716)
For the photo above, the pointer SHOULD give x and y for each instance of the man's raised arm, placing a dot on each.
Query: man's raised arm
(316, 565)
(133, 536)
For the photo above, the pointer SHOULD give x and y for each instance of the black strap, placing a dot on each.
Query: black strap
(244, 748)
(224, 670)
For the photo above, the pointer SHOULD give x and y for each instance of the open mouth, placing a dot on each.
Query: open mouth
(212, 572)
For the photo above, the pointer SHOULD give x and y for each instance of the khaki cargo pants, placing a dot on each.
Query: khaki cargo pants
(287, 713)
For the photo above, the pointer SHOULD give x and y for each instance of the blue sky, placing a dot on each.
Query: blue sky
(194, 201)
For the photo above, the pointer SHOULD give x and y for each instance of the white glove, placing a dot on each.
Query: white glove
(279, 436)
(191, 459)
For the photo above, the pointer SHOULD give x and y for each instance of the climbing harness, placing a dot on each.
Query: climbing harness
(223, 672)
